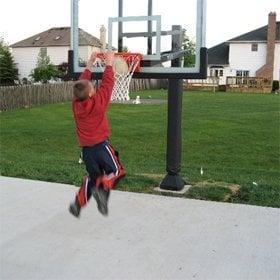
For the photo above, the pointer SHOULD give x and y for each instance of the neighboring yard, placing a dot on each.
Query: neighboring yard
(233, 137)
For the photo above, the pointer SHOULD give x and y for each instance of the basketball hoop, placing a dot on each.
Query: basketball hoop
(124, 65)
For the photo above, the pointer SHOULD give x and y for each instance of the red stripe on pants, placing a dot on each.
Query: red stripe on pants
(108, 181)
(81, 196)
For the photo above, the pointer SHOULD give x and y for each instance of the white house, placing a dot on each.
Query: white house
(56, 43)
(253, 54)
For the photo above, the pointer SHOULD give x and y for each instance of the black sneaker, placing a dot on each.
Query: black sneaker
(75, 209)
(101, 196)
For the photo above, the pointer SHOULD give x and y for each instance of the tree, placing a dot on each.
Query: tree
(8, 69)
(188, 45)
(44, 70)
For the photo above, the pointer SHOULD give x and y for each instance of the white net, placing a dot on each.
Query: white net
(121, 86)
(124, 66)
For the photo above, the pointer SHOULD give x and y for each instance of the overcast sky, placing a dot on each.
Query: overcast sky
(226, 19)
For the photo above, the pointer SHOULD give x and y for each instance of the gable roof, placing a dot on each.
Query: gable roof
(259, 34)
(218, 55)
(57, 36)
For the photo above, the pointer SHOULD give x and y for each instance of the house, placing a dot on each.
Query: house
(253, 54)
(55, 42)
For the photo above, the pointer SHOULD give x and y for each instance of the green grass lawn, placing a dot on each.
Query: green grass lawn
(233, 137)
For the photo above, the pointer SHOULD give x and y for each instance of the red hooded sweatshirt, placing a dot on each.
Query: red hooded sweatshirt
(92, 126)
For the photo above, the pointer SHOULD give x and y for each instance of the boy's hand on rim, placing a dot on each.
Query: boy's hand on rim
(109, 56)
(91, 60)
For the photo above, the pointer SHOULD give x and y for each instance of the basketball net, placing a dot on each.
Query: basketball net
(124, 65)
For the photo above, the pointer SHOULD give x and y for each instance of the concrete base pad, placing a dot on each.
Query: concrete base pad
(183, 191)
(144, 237)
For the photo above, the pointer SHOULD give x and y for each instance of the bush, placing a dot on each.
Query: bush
(275, 85)
(45, 73)
(25, 81)
(44, 70)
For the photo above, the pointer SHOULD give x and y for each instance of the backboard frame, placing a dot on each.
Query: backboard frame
(199, 71)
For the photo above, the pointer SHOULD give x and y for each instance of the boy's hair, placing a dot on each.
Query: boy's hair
(81, 89)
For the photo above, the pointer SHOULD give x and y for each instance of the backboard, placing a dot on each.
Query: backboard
(149, 27)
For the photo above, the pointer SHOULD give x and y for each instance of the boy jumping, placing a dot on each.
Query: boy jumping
(101, 160)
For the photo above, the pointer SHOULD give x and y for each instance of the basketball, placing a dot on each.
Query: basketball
(120, 66)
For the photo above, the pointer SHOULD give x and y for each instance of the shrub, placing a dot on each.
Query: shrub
(44, 74)
(275, 85)
(44, 70)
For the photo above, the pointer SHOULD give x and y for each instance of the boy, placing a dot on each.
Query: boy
(101, 160)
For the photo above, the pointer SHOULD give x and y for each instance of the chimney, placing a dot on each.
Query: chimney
(271, 36)
(103, 38)
(266, 71)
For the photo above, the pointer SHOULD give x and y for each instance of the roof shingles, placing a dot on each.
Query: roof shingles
(256, 35)
(48, 39)
(219, 55)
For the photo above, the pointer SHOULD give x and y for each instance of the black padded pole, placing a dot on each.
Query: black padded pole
(173, 181)
(70, 70)
(150, 27)
(120, 27)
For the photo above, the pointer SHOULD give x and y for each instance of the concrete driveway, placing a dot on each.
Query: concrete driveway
(144, 237)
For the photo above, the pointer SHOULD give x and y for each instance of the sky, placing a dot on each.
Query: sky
(20, 19)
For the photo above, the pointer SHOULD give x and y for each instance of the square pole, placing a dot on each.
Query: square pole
(173, 181)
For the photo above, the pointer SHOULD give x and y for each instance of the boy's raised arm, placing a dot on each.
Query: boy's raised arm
(106, 87)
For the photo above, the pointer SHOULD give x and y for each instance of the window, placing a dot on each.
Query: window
(216, 71)
(239, 73)
(82, 62)
(254, 47)
(57, 37)
(43, 51)
(37, 38)
(242, 73)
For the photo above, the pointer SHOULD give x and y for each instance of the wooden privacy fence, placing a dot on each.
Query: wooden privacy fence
(233, 84)
(13, 97)
(142, 84)
(210, 83)
(33, 95)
